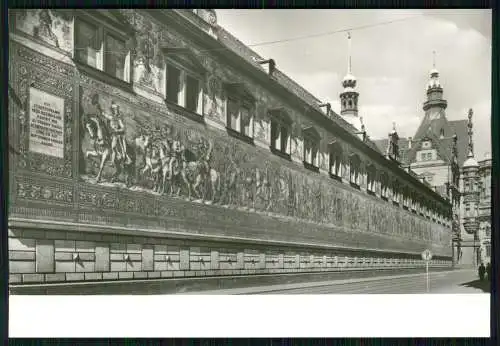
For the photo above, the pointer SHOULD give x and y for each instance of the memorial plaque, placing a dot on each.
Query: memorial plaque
(46, 123)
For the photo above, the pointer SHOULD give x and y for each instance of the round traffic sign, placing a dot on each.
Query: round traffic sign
(427, 255)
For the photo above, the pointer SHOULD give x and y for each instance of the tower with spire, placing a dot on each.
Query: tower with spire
(435, 101)
(470, 202)
(349, 96)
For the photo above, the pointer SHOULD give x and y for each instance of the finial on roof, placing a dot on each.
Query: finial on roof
(470, 132)
(433, 59)
(349, 67)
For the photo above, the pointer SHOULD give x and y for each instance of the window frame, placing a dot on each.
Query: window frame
(371, 179)
(384, 186)
(355, 170)
(184, 71)
(281, 120)
(103, 30)
(335, 160)
(395, 191)
(241, 102)
(312, 140)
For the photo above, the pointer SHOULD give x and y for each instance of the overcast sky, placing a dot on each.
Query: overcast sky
(391, 62)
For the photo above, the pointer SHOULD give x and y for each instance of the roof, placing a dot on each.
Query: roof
(430, 128)
(238, 47)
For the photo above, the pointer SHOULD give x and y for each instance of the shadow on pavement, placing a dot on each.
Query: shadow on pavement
(484, 285)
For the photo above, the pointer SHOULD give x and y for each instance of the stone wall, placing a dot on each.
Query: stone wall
(37, 256)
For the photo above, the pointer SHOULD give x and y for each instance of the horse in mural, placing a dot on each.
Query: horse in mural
(104, 151)
(198, 176)
(159, 161)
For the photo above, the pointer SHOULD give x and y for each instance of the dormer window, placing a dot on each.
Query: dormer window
(240, 112)
(371, 178)
(354, 170)
(335, 157)
(102, 46)
(281, 133)
(384, 184)
(311, 148)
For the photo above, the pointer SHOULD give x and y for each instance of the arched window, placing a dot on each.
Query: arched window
(350, 103)
(336, 154)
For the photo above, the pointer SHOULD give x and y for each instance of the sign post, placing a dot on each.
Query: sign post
(427, 256)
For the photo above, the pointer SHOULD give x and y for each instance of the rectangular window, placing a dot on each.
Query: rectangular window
(88, 44)
(280, 137)
(192, 93)
(311, 152)
(102, 48)
(234, 114)
(115, 57)
(336, 160)
(370, 179)
(173, 84)
(285, 139)
(183, 87)
(240, 117)
(246, 122)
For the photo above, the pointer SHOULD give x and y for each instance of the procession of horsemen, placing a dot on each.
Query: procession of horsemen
(165, 159)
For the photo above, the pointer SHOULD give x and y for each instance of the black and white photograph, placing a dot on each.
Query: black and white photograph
(175, 152)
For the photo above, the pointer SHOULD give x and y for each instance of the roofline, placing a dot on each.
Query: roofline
(318, 116)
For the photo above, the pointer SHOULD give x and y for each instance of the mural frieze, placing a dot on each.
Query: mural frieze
(27, 189)
(53, 27)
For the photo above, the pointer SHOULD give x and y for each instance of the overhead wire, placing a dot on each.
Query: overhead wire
(285, 40)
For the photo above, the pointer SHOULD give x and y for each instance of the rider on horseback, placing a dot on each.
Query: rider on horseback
(117, 131)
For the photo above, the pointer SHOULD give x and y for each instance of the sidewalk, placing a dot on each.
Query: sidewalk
(265, 289)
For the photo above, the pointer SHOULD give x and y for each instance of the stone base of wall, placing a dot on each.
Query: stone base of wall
(200, 284)
(46, 256)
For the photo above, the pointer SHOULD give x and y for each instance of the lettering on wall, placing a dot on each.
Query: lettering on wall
(46, 134)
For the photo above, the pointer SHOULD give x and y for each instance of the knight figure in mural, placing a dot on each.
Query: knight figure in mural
(117, 133)
(107, 133)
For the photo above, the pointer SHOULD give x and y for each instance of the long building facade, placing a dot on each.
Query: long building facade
(154, 144)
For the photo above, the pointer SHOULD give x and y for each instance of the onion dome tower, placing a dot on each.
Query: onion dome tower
(435, 99)
(349, 97)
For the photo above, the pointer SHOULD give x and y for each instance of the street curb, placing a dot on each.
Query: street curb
(274, 288)
(200, 284)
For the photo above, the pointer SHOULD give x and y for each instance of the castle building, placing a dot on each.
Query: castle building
(154, 144)
(440, 154)
(484, 236)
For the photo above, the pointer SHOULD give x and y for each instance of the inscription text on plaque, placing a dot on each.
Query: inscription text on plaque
(46, 123)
